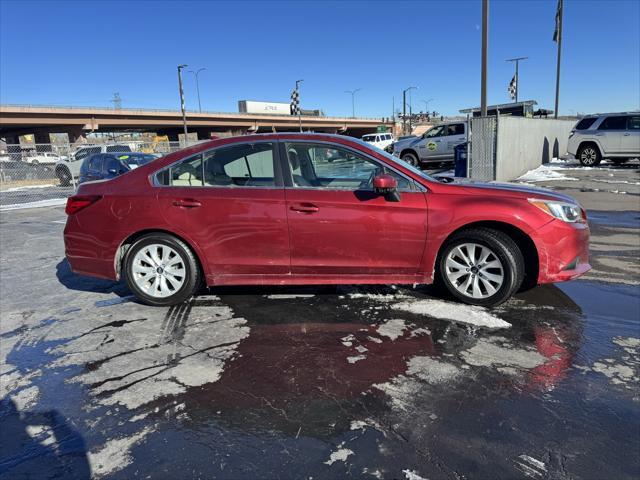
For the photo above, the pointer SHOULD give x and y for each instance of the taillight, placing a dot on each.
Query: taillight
(78, 202)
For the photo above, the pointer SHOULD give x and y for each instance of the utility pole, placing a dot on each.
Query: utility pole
(393, 108)
(557, 36)
(353, 102)
(517, 60)
(117, 101)
(485, 42)
(196, 73)
(184, 115)
(298, 82)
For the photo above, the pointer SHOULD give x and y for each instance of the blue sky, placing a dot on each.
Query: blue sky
(81, 52)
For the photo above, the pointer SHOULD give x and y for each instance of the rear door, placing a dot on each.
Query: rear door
(631, 138)
(339, 226)
(231, 202)
(610, 133)
(454, 135)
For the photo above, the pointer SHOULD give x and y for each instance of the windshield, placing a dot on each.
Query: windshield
(397, 161)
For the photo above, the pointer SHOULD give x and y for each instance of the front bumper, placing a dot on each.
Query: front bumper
(563, 250)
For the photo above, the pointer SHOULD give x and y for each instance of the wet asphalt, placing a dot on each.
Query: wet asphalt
(319, 382)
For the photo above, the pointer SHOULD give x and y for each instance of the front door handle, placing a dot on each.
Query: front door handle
(627, 134)
(305, 208)
(187, 203)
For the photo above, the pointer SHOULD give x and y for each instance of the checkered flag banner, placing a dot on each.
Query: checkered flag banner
(513, 88)
(295, 102)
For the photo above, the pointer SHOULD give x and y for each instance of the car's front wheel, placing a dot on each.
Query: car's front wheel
(481, 266)
(589, 155)
(410, 158)
(161, 270)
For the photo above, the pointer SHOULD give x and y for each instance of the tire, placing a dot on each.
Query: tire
(151, 281)
(64, 175)
(487, 286)
(589, 155)
(410, 158)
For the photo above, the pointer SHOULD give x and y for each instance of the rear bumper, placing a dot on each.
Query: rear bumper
(563, 251)
(86, 253)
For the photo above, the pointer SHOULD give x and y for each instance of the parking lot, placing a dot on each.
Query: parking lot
(390, 382)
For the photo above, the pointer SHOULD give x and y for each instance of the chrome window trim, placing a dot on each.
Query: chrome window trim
(419, 187)
(153, 177)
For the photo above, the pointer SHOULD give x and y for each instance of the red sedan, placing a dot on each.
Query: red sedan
(317, 209)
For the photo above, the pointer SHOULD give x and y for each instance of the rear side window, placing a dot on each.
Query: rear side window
(95, 163)
(634, 123)
(613, 123)
(455, 129)
(585, 123)
(110, 163)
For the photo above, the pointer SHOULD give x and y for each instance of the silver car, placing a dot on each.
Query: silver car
(435, 145)
(615, 136)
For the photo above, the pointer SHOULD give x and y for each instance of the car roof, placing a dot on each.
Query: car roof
(592, 115)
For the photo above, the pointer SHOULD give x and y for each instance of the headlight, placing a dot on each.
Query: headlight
(567, 212)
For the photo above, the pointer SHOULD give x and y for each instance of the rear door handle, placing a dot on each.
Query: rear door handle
(627, 134)
(305, 208)
(187, 203)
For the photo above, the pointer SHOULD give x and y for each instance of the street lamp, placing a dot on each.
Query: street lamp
(184, 115)
(196, 73)
(404, 108)
(426, 105)
(353, 102)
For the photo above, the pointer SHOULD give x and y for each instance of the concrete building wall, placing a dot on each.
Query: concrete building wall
(526, 143)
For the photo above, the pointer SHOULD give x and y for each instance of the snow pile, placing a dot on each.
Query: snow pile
(543, 173)
(54, 202)
(457, 312)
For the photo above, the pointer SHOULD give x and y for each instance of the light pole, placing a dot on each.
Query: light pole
(353, 101)
(426, 106)
(184, 115)
(404, 108)
(196, 73)
(517, 60)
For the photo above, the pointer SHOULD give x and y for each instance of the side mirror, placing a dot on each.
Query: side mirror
(388, 186)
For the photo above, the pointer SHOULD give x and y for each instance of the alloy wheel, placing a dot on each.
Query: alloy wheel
(474, 270)
(158, 270)
(588, 156)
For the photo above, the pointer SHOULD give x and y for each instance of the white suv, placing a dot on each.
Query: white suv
(615, 136)
(380, 140)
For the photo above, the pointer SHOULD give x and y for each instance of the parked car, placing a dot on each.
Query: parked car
(48, 158)
(435, 145)
(380, 140)
(614, 136)
(272, 209)
(109, 165)
(12, 170)
(68, 170)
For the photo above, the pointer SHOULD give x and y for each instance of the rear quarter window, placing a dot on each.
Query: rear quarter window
(585, 123)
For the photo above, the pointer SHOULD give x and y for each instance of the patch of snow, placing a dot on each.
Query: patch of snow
(348, 340)
(393, 328)
(456, 312)
(542, 174)
(53, 202)
(115, 454)
(355, 359)
(412, 475)
(340, 455)
(489, 353)
(431, 370)
(26, 398)
(289, 296)
(27, 187)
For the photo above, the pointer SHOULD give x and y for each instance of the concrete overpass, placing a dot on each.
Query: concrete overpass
(16, 120)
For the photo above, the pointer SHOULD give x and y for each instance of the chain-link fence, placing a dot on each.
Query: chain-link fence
(46, 174)
(482, 154)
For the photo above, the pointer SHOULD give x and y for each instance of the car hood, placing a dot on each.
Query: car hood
(510, 189)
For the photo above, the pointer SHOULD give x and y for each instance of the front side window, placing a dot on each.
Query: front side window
(95, 163)
(633, 123)
(613, 123)
(328, 167)
(112, 165)
(435, 132)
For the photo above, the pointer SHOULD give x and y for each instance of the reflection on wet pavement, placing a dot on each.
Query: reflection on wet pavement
(244, 382)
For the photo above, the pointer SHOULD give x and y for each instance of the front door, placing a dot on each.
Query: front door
(339, 226)
(432, 147)
(231, 203)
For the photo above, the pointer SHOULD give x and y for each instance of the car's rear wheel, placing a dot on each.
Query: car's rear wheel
(589, 155)
(410, 158)
(64, 175)
(161, 270)
(481, 266)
